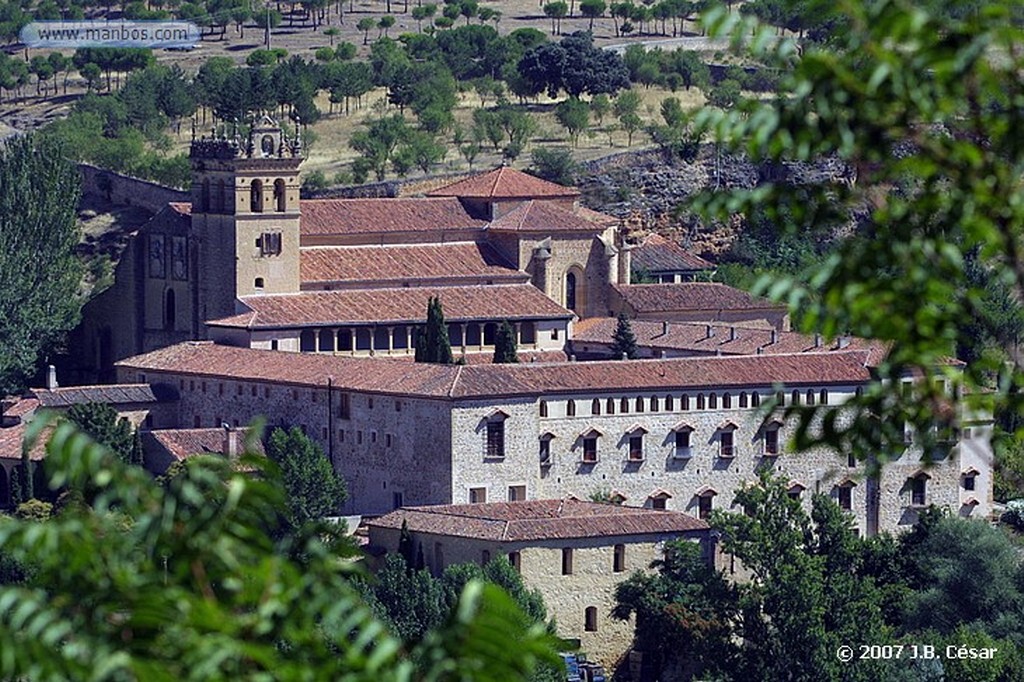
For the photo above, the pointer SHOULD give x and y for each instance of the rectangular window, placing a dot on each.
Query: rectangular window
(683, 443)
(619, 559)
(567, 561)
(545, 451)
(496, 438)
(968, 482)
(515, 560)
(516, 493)
(397, 499)
(636, 447)
(917, 491)
(270, 244)
(387, 440)
(771, 442)
(727, 444)
(590, 449)
(659, 503)
(704, 508)
(477, 495)
(846, 498)
(343, 406)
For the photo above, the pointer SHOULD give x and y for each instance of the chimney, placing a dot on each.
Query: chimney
(51, 378)
(664, 327)
(625, 357)
(844, 342)
(760, 350)
(817, 340)
(230, 441)
(710, 332)
(775, 337)
(662, 353)
(732, 333)
(572, 357)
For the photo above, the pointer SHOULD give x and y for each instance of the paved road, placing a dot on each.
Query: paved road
(697, 43)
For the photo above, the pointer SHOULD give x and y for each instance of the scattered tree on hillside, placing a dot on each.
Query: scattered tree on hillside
(623, 340)
(555, 165)
(592, 9)
(432, 344)
(574, 115)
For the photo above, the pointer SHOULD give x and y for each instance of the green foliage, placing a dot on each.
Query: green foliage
(574, 115)
(378, 144)
(39, 272)
(623, 339)
(208, 591)
(312, 488)
(102, 422)
(505, 345)
(432, 344)
(34, 510)
(554, 164)
(573, 65)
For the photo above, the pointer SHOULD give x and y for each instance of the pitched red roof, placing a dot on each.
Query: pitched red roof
(544, 216)
(398, 377)
(456, 263)
(690, 296)
(372, 216)
(183, 443)
(727, 339)
(504, 183)
(536, 520)
(112, 394)
(11, 439)
(394, 306)
(658, 254)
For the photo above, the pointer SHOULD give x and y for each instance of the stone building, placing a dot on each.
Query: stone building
(573, 552)
(658, 259)
(680, 434)
(696, 302)
(247, 262)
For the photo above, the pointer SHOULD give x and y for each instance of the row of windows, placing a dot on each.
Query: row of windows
(219, 201)
(341, 400)
(687, 402)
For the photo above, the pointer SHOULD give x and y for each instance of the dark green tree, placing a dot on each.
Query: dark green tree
(102, 422)
(312, 488)
(554, 164)
(623, 340)
(39, 272)
(505, 345)
(432, 344)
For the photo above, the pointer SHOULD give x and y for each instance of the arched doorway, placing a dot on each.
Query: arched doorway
(575, 291)
(256, 196)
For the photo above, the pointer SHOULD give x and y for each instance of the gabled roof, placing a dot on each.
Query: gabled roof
(706, 491)
(183, 443)
(537, 520)
(455, 263)
(504, 183)
(373, 216)
(544, 216)
(691, 296)
(402, 305)
(657, 254)
(113, 394)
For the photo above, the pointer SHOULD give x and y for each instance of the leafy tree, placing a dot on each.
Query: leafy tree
(103, 424)
(379, 142)
(505, 345)
(432, 344)
(724, 94)
(574, 115)
(312, 488)
(39, 272)
(623, 340)
(366, 24)
(423, 151)
(196, 572)
(672, 112)
(600, 105)
(409, 600)
(556, 11)
(554, 164)
(592, 9)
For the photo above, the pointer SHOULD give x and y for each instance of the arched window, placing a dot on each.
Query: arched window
(610, 405)
(639, 404)
(170, 309)
(810, 396)
(700, 401)
(570, 290)
(713, 401)
(684, 403)
(624, 406)
(543, 408)
(258, 283)
(570, 408)
(256, 196)
(755, 399)
(326, 341)
(307, 341)
(279, 195)
(726, 400)
(590, 619)
(795, 398)
(654, 403)
(823, 396)
(595, 407)
(669, 403)
(743, 398)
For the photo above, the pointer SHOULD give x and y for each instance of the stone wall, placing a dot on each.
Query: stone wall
(390, 189)
(127, 191)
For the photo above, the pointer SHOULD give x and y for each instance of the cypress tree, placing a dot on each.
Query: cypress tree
(505, 345)
(433, 344)
(623, 341)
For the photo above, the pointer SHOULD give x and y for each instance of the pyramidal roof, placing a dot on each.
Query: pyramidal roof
(504, 183)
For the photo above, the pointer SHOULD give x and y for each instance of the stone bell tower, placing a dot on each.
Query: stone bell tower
(245, 216)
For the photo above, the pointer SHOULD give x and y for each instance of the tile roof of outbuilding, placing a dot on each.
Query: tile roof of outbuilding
(504, 183)
(695, 296)
(183, 443)
(456, 262)
(112, 394)
(658, 254)
(11, 439)
(538, 520)
(398, 377)
(545, 216)
(399, 305)
(372, 216)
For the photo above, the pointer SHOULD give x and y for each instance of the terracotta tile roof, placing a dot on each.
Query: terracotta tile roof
(727, 339)
(398, 377)
(112, 394)
(183, 443)
(181, 207)
(658, 254)
(538, 520)
(544, 216)
(504, 183)
(695, 296)
(393, 306)
(371, 216)
(22, 407)
(11, 438)
(456, 263)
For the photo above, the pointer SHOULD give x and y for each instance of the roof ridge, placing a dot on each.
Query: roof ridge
(455, 381)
